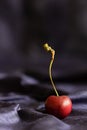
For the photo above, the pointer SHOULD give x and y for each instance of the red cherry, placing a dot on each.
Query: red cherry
(59, 106)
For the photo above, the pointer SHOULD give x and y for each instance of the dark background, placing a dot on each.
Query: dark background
(26, 25)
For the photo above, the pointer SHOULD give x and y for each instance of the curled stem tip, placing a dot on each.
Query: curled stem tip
(49, 49)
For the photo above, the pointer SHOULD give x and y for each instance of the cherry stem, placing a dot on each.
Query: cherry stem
(48, 48)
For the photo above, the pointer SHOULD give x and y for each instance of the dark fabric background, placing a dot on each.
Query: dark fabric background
(25, 25)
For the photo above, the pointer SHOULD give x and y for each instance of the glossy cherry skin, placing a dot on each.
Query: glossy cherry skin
(59, 106)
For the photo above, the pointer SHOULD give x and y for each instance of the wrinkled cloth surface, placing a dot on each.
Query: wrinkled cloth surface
(22, 99)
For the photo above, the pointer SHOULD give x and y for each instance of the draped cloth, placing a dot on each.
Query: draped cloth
(22, 99)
